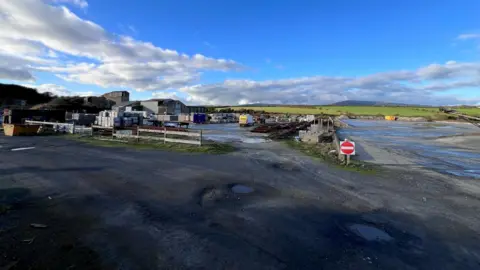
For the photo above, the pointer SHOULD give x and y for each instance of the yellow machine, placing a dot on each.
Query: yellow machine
(390, 118)
(245, 120)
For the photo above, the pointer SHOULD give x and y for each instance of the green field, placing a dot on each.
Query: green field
(470, 111)
(359, 110)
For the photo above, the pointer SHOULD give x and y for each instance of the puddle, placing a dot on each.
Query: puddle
(369, 233)
(418, 141)
(289, 166)
(254, 140)
(465, 173)
(241, 189)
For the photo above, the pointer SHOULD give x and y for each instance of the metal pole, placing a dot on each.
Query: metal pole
(201, 137)
(164, 135)
(348, 159)
(138, 134)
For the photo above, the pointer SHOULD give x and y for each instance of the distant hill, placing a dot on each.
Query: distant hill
(341, 103)
(367, 103)
(11, 93)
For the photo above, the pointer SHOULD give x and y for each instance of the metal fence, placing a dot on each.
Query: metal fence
(62, 127)
(83, 130)
(164, 135)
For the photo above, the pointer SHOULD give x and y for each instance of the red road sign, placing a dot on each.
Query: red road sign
(347, 147)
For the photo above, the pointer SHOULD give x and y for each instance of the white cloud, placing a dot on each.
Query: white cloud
(78, 3)
(52, 54)
(132, 28)
(58, 90)
(468, 36)
(208, 44)
(34, 32)
(422, 86)
(15, 74)
(118, 60)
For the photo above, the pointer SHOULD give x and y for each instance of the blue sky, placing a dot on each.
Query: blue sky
(280, 51)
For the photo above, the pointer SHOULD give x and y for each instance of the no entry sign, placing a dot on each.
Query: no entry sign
(347, 147)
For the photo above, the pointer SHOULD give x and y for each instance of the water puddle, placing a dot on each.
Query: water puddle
(369, 233)
(465, 173)
(254, 140)
(241, 189)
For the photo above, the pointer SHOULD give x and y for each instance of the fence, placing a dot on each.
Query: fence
(327, 124)
(62, 127)
(164, 138)
(83, 130)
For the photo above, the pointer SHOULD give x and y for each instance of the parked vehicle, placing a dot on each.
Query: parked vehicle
(246, 120)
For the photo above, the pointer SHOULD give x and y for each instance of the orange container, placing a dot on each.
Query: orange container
(20, 130)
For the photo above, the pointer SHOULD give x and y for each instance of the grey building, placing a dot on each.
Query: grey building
(136, 106)
(118, 96)
(197, 109)
(164, 106)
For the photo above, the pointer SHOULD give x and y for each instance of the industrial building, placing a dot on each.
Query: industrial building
(133, 106)
(164, 106)
(117, 96)
(197, 109)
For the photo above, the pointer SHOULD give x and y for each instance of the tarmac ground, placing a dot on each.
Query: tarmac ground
(68, 205)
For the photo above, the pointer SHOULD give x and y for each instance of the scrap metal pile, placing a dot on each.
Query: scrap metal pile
(281, 130)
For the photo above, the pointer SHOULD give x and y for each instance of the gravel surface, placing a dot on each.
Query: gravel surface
(115, 208)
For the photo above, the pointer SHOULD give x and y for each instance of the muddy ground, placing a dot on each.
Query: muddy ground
(112, 208)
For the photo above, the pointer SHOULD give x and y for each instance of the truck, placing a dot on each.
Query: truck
(245, 120)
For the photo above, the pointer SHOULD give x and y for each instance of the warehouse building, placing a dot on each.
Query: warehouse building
(118, 96)
(197, 109)
(165, 106)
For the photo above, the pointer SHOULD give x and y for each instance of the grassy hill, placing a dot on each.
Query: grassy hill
(432, 112)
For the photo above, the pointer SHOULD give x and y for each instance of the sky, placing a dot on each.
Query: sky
(217, 52)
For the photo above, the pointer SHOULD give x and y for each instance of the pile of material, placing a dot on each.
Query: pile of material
(281, 130)
(272, 127)
(120, 118)
(289, 130)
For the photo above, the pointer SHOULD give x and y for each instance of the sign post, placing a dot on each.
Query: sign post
(347, 148)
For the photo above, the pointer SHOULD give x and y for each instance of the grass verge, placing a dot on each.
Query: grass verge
(207, 148)
(321, 151)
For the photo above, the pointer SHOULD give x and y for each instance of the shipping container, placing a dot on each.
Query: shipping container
(199, 118)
